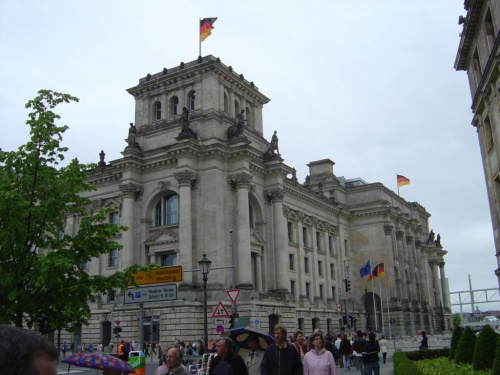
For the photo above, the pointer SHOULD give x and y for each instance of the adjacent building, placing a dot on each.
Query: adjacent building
(479, 55)
(198, 176)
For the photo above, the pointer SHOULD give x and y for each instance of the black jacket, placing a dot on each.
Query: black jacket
(370, 351)
(281, 361)
(233, 361)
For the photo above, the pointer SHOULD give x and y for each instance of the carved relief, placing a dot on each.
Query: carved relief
(130, 190)
(399, 234)
(388, 229)
(186, 178)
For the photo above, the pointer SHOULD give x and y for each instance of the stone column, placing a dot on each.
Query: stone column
(129, 192)
(400, 245)
(182, 100)
(437, 286)
(280, 252)
(231, 104)
(444, 288)
(243, 254)
(185, 180)
(300, 257)
(258, 270)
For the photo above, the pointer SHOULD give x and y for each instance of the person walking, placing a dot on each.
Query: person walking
(226, 361)
(281, 358)
(299, 343)
(345, 352)
(423, 341)
(370, 355)
(318, 360)
(384, 347)
(253, 356)
(357, 346)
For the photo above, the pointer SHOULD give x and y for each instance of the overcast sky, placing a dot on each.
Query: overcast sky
(368, 84)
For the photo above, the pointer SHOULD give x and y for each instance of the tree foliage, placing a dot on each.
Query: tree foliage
(484, 351)
(42, 277)
(465, 348)
(457, 320)
(455, 339)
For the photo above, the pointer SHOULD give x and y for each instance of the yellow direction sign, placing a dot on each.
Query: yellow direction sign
(162, 275)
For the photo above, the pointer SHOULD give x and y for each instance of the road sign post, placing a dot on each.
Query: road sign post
(152, 293)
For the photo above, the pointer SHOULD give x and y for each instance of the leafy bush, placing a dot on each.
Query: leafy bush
(443, 366)
(418, 355)
(455, 339)
(403, 365)
(465, 348)
(496, 362)
(484, 352)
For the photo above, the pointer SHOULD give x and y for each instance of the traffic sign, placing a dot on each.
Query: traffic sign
(233, 294)
(220, 321)
(162, 275)
(256, 323)
(152, 293)
(219, 329)
(220, 311)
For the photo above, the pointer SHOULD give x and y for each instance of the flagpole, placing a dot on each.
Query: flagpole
(374, 307)
(199, 39)
(396, 179)
(381, 302)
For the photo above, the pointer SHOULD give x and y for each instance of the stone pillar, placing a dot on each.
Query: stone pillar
(400, 245)
(444, 288)
(231, 104)
(437, 286)
(258, 270)
(129, 192)
(185, 180)
(280, 251)
(243, 254)
(300, 257)
(182, 100)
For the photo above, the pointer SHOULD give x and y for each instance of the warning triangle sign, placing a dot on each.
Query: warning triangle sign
(220, 311)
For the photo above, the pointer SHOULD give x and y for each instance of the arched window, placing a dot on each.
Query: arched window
(167, 211)
(157, 111)
(192, 100)
(174, 104)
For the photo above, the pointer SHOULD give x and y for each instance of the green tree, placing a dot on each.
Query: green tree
(484, 351)
(457, 320)
(465, 348)
(42, 278)
(455, 339)
(496, 361)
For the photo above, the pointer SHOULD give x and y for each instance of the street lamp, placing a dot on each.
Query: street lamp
(204, 265)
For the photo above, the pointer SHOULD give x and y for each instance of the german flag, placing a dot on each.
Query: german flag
(402, 180)
(206, 27)
(378, 270)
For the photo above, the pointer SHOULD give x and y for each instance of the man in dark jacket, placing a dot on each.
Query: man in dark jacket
(358, 345)
(281, 358)
(370, 355)
(227, 362)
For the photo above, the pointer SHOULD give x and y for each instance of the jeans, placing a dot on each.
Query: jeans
(360, 365)
(347, 361)
(375, 366)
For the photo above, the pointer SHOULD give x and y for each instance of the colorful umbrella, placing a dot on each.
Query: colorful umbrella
(98, 361)
(241, 336)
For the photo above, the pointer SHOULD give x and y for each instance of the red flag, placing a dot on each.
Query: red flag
(378, 270)
(206, 27)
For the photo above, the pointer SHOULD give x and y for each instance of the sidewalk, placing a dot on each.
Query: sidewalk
(385, 369)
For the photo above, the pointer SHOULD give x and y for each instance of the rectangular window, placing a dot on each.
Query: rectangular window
(168, 260)
(346, 248)
(304, 236)
(60, 232)
(330, 244)
(113, 218)
(321, 293)
(113, 258)
(333, 293)
(320, 268)
(291, 258)
(332, 271)
(172, 211)
(318, 240)
(306, 265)
(308, 290)
(112, 295)
(488, 134)
(290, 232)
(84, 266)
(292, 289)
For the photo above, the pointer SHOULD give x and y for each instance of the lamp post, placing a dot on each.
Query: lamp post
(204, 265)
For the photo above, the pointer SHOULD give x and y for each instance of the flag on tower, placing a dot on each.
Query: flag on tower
(206, 27)
(402, 180)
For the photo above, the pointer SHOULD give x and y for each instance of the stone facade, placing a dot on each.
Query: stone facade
(216, 185)
(479, 55)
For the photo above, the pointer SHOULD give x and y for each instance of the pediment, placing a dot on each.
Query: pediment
(162, 238)
(256, 239)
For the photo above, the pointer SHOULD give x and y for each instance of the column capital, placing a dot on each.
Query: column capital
(130, 190)
(409, 240)
(275, 195)
(186, 178)
(399, 234)
(388, 228)
(240, 180)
